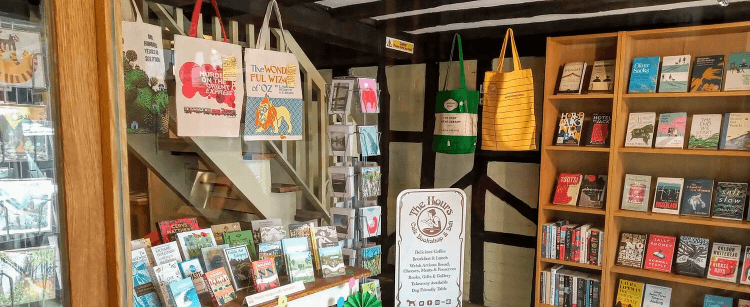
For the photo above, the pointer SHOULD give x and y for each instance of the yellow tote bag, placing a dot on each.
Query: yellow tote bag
(508, 122)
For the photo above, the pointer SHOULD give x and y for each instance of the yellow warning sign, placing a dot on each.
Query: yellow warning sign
(400, 45)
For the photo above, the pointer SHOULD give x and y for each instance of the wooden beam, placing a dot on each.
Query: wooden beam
(379, 8)
(295, 2)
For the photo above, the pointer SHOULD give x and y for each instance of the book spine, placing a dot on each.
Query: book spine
(554, 232)
(568, 244)
(561, 243)
(595, 288)
(544, 240)
(588, 292)
(724, 127)
(578, 246)
(210, 290)
(561, 290)
(566, 291)
(574, 291)
(543, 288)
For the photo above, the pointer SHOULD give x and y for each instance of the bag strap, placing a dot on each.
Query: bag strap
(516, 59)
(264, 34)
(136, 12)
(456, 37)
(196, 16)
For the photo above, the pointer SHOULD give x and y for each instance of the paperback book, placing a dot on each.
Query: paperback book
(717, 301)
(191, 242)
(656, 296)
(265, 276)
(708, 73)
(738, 75)
(244, 238)
(145, 293)
(600, 130)
(660, 253)
(221, 229)
(743, 303)
(165, 253)
(219, 287)
(258, 224)
(671, 130)
(369, 221)
(668, 195)
(331, 261)
(272, 233)
(295, 245)
(28, 276)
(371, 259)
(570, 128)
(692, 256)
(705, 131)
(640, 131)
(238, 261)
(593, 191)
(730, 200)
(735, 133)
(602, 77)
(745, 279)
(644, 74)
(213, 257)
(168, 229)
(568, 186)
(629, 293)
(183, 294)
(571, 79)
(725, 259)
(696, 199)
(192, 268)
(300, 266)
(636, 192)
(164, 275)
(675, 72)
(272, 250)
(631, 249)
(326, 236)
(343, 220)
(139, 255)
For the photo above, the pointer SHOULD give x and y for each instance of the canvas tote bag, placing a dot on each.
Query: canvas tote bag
(146, 98)
(508, 122)
(210, 88)
(274, 108)
(456, 113)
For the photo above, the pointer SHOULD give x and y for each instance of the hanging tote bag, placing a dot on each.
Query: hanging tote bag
(274, 108)
(456, 113)
(146, 98)
(508, 122)
(210, 89)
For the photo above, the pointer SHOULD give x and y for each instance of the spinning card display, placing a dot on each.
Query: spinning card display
(369, 141)
(24, 132)
(342, 139)
(340, 96)
(342, 181)
(26, 206)
(369, 221)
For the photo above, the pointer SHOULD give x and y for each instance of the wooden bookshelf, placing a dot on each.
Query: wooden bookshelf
(575, 209)
(572, 264)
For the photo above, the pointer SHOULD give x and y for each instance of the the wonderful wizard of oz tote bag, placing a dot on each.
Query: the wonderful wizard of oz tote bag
(210, 89)
(508, 122)
(274, 109)
(146, 98)
(456, 114)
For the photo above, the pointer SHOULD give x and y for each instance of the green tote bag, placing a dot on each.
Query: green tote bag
(456, 114)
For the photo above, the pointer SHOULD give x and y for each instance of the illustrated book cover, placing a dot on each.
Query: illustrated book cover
(369, 221)
(640, 131)
(717, 301)
(220, 229)
(659, 253)
(743, 303)
(183, 293)
(571, 79)
(696, 198)
(675, 72)
(636, 192)
(295, 245)
(167, 252)
(343, 219)
(342, 181)
(326, 236)
(593, 191)
(369, 141)
(258, 224)
(738, 75)
(602, 77)
(671, 130)
(213, 257)
(272, 250)
(244, 237)
(668, 195)
(27, 205)
(599, 133)
(731, 198)
(219, 287)
(629, 293)
(566, 192)
(331, 261)
(145, 293)
(725, 261)
(735, 132)
(238, 261)
(300, 266)
(371, 259)
(368, 95)
(369, 178)
(570, 129)
(272, 233)
(343, 140)
(692, 256)
(656, 296)
(139, 255)
(644, 74)
(265, 276)
(28, 276)
(631, 250)
(168, 229)
(708, 74)
(191, 242)
(745, 279)
(705, 131)
(164, 275)
(192, 268)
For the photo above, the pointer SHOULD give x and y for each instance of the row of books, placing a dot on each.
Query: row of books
(582, 190)
(571, 126)
(567, 288)
(637, 294)
(675, 74)
(573, 77)
(693, 197)
(707, 131)
(657, 253)
(571, 242)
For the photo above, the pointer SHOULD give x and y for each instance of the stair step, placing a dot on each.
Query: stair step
(307, 215)
(176, 145)
(258, 156)
(284, 187)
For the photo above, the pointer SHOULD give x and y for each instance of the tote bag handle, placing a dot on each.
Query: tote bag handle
(264, 35)
(456, 37)
(516, 59)
(196, 14)
(136, 12)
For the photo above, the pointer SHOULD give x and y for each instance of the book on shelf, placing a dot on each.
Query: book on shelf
(743, 303)
(668, 195)
(570, 128)
(595, 246)
(717, 301)
(643, 75)
(258, 224)
(220, 229)
(564, 287)
(192, 268)
(213, 257)
(166, 252)
(144, 244)
(326, 236)
(696, 197)
(551, 241)
(671, 130)
(191, 242)
(306, 230)
(731, 198)
(735, 132)
(656, 296)
(219, 287)
(692, 256)
(745, 273)
(168, 229)
(139, 255)
(164, 275)
(636, 192)
(238, 262)
(675, 73)
(183, 294)
(571, 79)
(568, 186)
(602, 77)
(630, 252)
(640, 131)
(708, 73)
(599, 133)
(331, 261)
(629, 293)
(265, 276)
(737, 77)
(272, 233)
(705, 131)
(725, 259)
(593, 191)
(273, 251)
(244, 238)
(145, 293)
(659, 253)
(300, 266)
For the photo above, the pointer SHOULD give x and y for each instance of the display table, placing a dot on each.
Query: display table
(322, 292)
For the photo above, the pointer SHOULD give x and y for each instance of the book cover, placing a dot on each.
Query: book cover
(745, 279)
(331, 261)
(600, 129)
(644, 74)
(343, 219)
(668, 195)
(294, 245)
(164, 275)
(692, 256)
(191, 242)
(675, 72)
(602, 77)
(213, 257)
(629, 293)
(656, 296)
(258, 224)
(725, 261)
(369, 178)
(28, 276)
(220, 287)
(168, 229)
(238, 261)
(671, 130)
(743, 303)
(165, 253)
(139, 255)
(570, 128)
(708, 73)
(245, 238)
(27, 205)
(640, 129)
(192, 268)
(183, 294)
(659, 253)
(343, 140)
(735, 133)
(221, 229)
(635, 193)
(717, 301)
(705, 131)
(696, 198)
(273, 251)
(571, 79)
(300, 266)
(730, 200)
(631, 249)
(593, 191)
(145, 293)
(305, 230)
(326, 236)
(369, 141)
(371, 259)
(369, 221)
(144, 244)
(265, 276)
(738, 76)
(272, 233)
(568, 186)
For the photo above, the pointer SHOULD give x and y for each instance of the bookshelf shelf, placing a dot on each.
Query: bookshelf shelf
(576, 209)
(670, 277)
(572, 264)
(581, 96)
(705, 221)
(579, 148)
(688, 95)
(691, 152)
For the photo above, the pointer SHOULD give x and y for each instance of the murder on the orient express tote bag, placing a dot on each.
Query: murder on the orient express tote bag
(274, 109)
(210, 88)
(508, 122)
